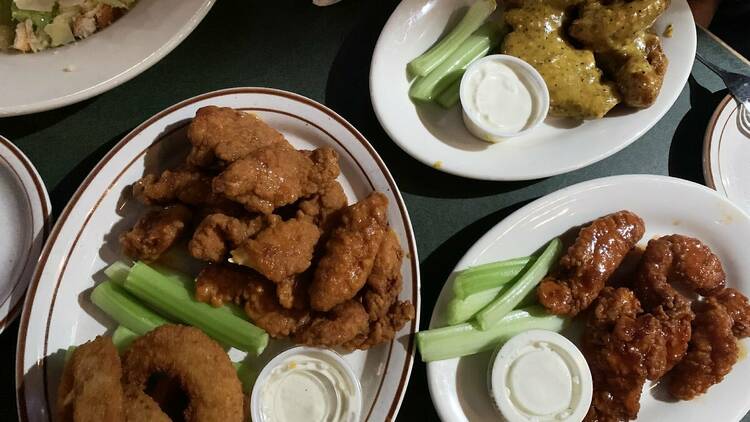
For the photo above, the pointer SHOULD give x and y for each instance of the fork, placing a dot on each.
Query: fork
(738, 85)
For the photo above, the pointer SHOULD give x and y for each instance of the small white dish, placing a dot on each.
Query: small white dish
(60, 76)
(328, 357)
(726, 153)
(24, 225)
(540, 375)
(531, 80)
(667, 205)
(438, 137)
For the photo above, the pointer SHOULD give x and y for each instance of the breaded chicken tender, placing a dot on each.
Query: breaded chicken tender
(90, 389)
(185, 185)
(155, 232)
(226, 135)
(342, 324)
(324, 207)
(736, 304)
(350, 253)
(280, 251)
(217, 234)
(275, 176)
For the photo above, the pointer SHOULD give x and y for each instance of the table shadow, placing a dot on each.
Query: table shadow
(435, 269)
(17, 127)
(686, 151)
(348, 93)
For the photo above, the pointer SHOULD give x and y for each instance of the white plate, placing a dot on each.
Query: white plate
(438, 137)
(24, 225)
(726, 154)
(37, 82)
(58, 312)
(667, 205)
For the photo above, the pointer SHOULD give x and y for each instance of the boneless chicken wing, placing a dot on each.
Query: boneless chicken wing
(597, 252)
(736, 304)
(350, 253)
(226, 135)
(274, 176)
(217, 234)
(155, 232)
(324, 207)
(343, 323)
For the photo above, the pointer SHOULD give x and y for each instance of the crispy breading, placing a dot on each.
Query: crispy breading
(350, 253)
(217, 234)
(275, 176)
(324, 207)
(342, 324)
(90, 390)
(736, 304)
(226, 135)
(155, 232)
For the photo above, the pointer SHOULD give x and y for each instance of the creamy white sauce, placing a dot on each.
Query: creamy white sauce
(308, 388)
(498, 97)
(540, 376)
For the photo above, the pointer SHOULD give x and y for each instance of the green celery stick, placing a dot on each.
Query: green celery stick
(489, 276)
(125, 309)
(472, 20)
(123, 337)
(504, 303)
(462, 310)
(451, 95)
(467, 339)
(117, 272)
(428, 87)
(175, 299)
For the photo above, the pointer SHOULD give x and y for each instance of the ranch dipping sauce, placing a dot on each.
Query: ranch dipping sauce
(305, 384)
(502, 96)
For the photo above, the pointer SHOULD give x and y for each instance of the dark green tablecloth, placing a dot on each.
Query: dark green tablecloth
(324, 53)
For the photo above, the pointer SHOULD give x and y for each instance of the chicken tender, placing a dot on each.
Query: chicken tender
(198, 363)
(217, 234)
(712, 353)
(384, 283)
(576, 86)
(342, 324)
(350, 253)
(280, 251)
(183, 184)
(619, 345)
(90, 389)
(383, 329)
(736, 304)
(604, 26)
(226, 135)
(275, 176)
(155, 232)
(589, 262)
(324, 207)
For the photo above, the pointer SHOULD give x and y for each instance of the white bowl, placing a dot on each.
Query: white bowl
(329, 356)
(530, 78)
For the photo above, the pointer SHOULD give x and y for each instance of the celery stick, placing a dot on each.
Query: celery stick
(123, 337)
(173, 298)
(462, 310)
(125, 309)
(504, 303)
(467, 339)
(247, 372)
(117, 272)
(452, 68)
(473, 19)
(451, 95)
(488, 276)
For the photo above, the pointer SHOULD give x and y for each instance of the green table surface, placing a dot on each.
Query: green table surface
(324, 54)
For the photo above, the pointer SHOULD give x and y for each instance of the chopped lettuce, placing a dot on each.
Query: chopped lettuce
(40, 19)
(59, 30)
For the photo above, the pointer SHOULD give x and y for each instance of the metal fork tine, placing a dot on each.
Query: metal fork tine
(720, 72)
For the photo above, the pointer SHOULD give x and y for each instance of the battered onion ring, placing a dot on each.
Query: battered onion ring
(196, 362)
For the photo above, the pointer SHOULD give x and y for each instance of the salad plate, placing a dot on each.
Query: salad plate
(56, 77)
(726, 153)
(667, 205)
(437, 137)
(58, 312)
(24, 225)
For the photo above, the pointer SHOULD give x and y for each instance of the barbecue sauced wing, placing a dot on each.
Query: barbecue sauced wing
(274, 176)
(736, 304)
(619, 345)
(90, 389)
(217, 234)
(226, 135)
(350, 253)
(155, 232)
(576, 85)
(219, 284)
(280, 251)
(589, 262)
(712, 352)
